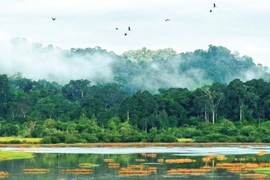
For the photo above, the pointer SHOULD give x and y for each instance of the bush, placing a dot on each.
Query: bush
(71, 139)
(15, 141)
(266, 139)
(46, 140)
(91, 139)
(241, 138)
(215, 137)
(165, 138)
(55, 140)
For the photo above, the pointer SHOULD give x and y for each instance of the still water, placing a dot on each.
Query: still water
(200, 163)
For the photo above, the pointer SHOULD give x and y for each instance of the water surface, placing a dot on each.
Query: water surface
(159, 162)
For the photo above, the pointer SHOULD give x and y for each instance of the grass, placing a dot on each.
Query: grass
(10, 155)
(19, 140)
(185, 140)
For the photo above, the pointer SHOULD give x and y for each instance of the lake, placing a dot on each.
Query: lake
(79, 163)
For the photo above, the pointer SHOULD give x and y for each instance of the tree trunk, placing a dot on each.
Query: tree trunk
(241, 110)
(82, 93)
(213, 115)
(127, 115)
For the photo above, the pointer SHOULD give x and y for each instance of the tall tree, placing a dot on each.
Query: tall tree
(213, 96)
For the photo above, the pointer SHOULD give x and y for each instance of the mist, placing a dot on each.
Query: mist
(36, 62)
(162, 70)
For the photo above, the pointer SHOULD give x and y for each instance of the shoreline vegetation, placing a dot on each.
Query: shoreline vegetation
(137, 144)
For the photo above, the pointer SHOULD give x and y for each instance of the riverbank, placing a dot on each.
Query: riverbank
(116, 145)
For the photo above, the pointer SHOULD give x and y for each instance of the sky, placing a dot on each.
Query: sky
(239, 25)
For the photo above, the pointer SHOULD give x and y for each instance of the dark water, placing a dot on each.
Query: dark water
(57, 159)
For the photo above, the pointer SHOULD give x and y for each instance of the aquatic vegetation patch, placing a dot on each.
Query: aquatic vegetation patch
(4, 174)
(217, 157)
(254, 176)
(10, 155)
(152, 155)
(76, 171)
(36, 171)
(180, 161)
(264, 165)
(160, 160)
(140, 160)
(237, 167)
(109, 160)
(261, 153)
(241, 159)
(137, 170)
(221, 158)
(187, 171)
(113, 165)
(263, 170)
(87, 165)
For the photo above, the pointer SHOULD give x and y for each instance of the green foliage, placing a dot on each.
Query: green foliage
(165, 138)
(79, 112)
(46, 140)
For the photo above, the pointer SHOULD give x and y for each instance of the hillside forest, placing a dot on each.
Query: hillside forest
(152, 96)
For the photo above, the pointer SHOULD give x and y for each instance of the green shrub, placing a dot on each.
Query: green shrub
(15, 141)
(46, 140)
(165, 138)
(71, 139)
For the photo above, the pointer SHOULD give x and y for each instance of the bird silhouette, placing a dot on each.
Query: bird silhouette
(129, 28)
(116, 28)
(215, 5)
(53, 18)
(210, 10)
(125, 34)
(167, 20)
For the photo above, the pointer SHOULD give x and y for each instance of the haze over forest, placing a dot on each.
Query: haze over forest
(141, 69)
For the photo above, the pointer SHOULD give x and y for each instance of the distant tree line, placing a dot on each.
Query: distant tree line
(107, 112)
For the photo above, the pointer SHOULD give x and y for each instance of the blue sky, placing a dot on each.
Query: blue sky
(239, 25)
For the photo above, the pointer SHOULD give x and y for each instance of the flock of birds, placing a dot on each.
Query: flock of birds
(214, 6)
(129, 29)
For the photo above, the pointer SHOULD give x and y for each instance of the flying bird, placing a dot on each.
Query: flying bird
(214, 5)
(167, 20)
(210, 10)
(129, 28)
(125, 34)
(53, 18)
(116, 28)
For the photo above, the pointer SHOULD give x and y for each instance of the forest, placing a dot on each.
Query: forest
(213, 100)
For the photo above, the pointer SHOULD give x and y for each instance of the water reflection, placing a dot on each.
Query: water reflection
(163, 165)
